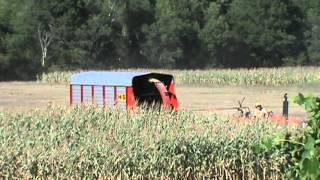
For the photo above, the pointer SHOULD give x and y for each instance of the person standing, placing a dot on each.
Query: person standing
(260, 111)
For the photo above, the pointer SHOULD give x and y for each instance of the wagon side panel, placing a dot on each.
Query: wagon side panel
(121, 98)
(98, 96)
(109, 96)
(75, 93)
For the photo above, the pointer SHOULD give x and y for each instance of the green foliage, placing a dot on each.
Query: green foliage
(17, 31)
(184, 34)
(269, 29)
(172, 40)
(304, 148)
(313, 12)
(91, 143)
(216, 35)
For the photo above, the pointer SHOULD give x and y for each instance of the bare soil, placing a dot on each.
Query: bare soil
(20, 96)
(219, 99)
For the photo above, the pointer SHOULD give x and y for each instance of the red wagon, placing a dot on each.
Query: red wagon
(125, 90)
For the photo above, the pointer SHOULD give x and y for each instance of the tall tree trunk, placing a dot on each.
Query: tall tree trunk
(45, 38)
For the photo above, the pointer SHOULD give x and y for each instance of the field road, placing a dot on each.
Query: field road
(20, 96)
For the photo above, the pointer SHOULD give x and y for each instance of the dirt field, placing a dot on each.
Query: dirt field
(17, 96)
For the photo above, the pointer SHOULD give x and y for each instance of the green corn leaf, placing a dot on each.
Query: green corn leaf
(300, 99)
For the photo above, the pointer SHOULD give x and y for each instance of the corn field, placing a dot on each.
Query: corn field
(214, 77)
(88, 142)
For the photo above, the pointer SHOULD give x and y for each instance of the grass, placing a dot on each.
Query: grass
(94, 143)
(214, 77)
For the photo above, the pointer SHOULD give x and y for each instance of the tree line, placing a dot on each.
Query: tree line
(41, 35)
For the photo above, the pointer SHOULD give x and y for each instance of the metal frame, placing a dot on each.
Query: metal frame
(93, 94)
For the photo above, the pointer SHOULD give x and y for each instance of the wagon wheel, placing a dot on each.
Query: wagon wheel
(242, 111)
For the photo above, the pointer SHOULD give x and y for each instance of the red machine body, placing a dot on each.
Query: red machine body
(168, 97)
(291, 121)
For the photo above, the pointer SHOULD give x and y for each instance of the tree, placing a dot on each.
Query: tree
(82, 34)
(18, 40)
(46, 36)
(223, 46)
(136, 14)
(172, 40)
(313, 11)
(4, 31)
(274, 30)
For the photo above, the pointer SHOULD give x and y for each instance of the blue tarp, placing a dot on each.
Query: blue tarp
(105, 78)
